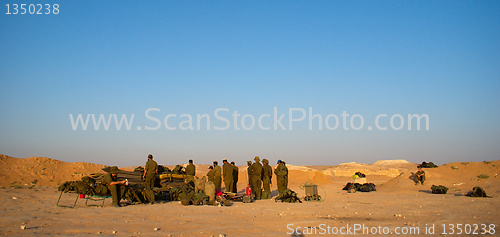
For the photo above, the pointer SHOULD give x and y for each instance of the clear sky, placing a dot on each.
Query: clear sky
(439, 58)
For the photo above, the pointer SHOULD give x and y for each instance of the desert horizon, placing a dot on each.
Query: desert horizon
(396, 205)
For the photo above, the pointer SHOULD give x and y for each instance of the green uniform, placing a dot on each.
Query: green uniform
(236, 172)
(227, 170)
(249, 172)
(150, 168)
(420, 179)
(286, 177)
(190, 172)
(256, 178)
(210, 175)
(281, 178)
(116, 190)
(267, 174)
(218, 177)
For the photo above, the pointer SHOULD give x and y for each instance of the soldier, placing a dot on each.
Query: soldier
(419, 176)
(217, 176)
(236, 172)
(281, 177)
(149, 177)
(286, 176)
(227, 170)
(256, 178)
(190, 171)
(210, 174)
(267, 174)
(249, 174)
(117, 188)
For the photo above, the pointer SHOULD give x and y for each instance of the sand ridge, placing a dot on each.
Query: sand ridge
(42, 171)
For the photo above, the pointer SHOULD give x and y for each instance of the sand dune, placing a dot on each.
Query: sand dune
(391, 168)
(458, 176)
(42, 171)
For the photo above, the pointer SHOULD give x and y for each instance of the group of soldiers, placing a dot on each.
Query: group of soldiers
(228, 174)
(259, 178)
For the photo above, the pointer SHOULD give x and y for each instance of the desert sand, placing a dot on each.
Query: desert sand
(28, 197)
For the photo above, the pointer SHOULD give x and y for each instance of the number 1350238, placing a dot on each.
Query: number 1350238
(32, 9)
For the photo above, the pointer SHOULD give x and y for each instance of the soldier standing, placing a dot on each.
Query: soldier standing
(210, 174)
(281, 177)
(190, 171)
(227, 174)
(117, 188)
(267, 174)
(217, 176)
(286, 176)
(256, 178)
(149, 177)
(249, 174)
(236, 172)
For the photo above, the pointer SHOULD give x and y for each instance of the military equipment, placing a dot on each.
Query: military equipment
(162, 169)
(428, 165)
(311, 191)
(247, 199)
(186, 201)
(361, 175)
(354, 186)
(210, 191)
(367, 187)
(178, 170)
(288, 196)
(184, 191)
(223, 201)
(439, 189)
(200, 198)
(477, 192)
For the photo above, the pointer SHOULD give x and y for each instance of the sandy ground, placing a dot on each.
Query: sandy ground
(398, 205)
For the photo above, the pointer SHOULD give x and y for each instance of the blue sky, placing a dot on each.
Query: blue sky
(193, 57)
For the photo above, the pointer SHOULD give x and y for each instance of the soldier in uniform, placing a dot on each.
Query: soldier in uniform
(281, 177)
(420, 176)
(236, 172)
(227, 174)
(190, 171)
(267, 174)
(210, 174)
(256, 178)
(217, 176)
(149, 177)
(249, 174)
(117, 188)
(286, 176)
